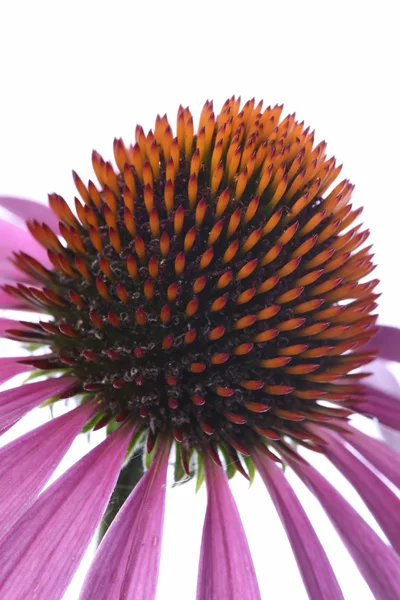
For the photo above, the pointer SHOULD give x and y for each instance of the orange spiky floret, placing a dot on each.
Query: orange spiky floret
(205, 286)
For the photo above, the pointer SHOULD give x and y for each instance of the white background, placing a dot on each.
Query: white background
(74, 75)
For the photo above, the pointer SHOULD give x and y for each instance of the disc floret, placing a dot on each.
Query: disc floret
(210, 284)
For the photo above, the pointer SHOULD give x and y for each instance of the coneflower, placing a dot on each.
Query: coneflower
(211, 293)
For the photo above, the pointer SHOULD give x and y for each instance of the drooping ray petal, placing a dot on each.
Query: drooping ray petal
(380, 396)
(9, 367)
(381, 501)
(9, 272)
(226, 569)
(6, 324)
(15, 403)
(8, 302)
(376, 452)
(15, 239)
(382, 378)
(385, 410)
(384, 381)
(30, 209)
(42, 551)
(28, 462)
(376, 396)
(378, 563)
(127, 562)
(387, 342)
(315, 569)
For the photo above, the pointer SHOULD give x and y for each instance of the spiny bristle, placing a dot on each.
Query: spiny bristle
(211, 285)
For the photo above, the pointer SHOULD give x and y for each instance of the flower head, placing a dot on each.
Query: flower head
(213, 288)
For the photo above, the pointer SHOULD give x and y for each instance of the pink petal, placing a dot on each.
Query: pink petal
(6, 324)
(28, 462)
(387, 342)
(30, 210)
(381, 501)
(381, 401)
(388, 414)
(41, 552)
(314, 566)
(9, 302)
(127, 562)
(376, 452)
(382, 378)
(15, 403)
(9, 367)
(226, 569)
(377, 563)
(15, 239)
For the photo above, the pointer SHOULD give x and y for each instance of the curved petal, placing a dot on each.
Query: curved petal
(6, 324)
(387, 342)
(127, 562)
(387, 412)
(15, 403)
(40, 554)
(381, 501)
(382, 378)
(9, 367)
(376, 452)
(314, 566)
(28, 462)
(226, 569)
(9, 302)
(28, 210)
(377, 563)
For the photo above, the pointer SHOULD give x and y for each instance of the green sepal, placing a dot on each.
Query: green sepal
(180, 475)
(200, 478)
(129, 477)
(31, 348)
(251, 470)
(179, 472)
(134, 445)
(149, 456)
(111, 426)
(49, 373)
(50, 402)
(230, 468)
(90, 424)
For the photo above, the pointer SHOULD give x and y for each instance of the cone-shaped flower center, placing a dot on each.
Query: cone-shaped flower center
(210, 286)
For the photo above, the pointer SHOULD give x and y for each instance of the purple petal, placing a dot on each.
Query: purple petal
(376, 452)
(9, 302)
(127, 562)
(15, 239)
(380, 398)
(29, 461)
(381, 501)
(226, 569)
(382, 378)
(15, 403)
(30, 210)
(382, 381)
(9, 367)
(40, 554)
(6, 324)
(388, 414)
(314, 566)
(378, 563)
(377, 396)
(387, 342)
